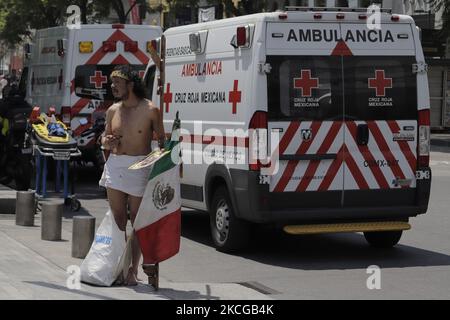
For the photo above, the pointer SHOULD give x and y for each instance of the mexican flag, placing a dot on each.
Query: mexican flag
(158, 222)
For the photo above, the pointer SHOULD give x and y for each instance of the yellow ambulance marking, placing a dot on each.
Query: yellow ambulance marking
(347, 227)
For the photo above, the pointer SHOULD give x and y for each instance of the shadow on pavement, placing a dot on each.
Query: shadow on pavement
(316, 252)
(62, 288)
(188, 295)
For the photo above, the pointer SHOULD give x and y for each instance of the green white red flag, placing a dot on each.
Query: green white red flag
(158, 222)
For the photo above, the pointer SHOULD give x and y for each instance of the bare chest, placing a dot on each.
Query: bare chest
(131, 124)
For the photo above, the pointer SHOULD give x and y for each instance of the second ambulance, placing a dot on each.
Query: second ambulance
(68, 69)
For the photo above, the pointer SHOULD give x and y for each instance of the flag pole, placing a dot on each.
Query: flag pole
(152, 270)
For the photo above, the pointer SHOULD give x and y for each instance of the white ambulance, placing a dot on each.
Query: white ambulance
(68, 69)
(349, 104)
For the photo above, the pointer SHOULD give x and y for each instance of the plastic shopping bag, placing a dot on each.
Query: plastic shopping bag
(125, 262)
(103, 264)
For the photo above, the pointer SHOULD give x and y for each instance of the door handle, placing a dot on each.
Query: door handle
(362, 134)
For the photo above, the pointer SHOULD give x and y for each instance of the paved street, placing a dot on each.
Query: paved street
(277, 266)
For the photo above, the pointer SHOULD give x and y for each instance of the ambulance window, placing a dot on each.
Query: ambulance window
(93, 82)
(380, 88)
(305, 88)
(149, 81)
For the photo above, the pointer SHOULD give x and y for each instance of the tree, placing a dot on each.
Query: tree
(244, 7)
(19, 17)
(103, 7)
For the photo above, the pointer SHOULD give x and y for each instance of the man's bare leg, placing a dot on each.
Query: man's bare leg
(134, 203)
(118, 204)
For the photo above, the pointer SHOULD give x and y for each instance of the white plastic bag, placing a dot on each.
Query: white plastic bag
(102, 264)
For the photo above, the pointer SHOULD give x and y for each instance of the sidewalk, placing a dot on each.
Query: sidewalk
(7, 200)
(31, 268)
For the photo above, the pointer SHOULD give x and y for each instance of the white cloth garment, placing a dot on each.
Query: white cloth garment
(117, 176)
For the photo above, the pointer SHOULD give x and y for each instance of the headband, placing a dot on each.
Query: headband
(119, 74)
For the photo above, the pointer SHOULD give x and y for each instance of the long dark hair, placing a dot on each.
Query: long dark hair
(133, 76)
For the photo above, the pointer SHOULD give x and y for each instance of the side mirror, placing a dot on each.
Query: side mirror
(61, 47)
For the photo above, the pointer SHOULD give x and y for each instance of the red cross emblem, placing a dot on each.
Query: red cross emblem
(235, 96)
(99, 79)
(168, 97)
(306, 83)
(380, 83)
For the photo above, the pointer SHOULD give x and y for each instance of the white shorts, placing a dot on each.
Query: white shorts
(117, 176)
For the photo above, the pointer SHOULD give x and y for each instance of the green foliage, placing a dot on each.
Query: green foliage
(19, 17)
(244, 7)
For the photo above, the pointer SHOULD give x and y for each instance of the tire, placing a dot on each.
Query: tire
(228, 232)
(75, 205)
(386, 239)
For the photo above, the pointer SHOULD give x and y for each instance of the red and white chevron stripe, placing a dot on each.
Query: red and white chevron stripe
(379, 165)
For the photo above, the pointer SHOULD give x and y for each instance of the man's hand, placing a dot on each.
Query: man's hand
(111, 141)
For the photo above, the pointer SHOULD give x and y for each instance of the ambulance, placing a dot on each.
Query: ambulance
(68, 68)
(337, 112)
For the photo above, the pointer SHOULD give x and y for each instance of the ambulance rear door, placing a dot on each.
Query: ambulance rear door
(380, 106)
(305, 107)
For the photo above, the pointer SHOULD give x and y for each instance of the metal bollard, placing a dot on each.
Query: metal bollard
(51, 221)
(25, 208)
(83, 232)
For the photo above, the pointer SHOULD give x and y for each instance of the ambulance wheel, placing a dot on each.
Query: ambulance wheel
(383, 239)
(228, 232)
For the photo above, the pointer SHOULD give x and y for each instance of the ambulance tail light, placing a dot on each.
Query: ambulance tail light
(131, 46)
(340, 16)
(362, 17)
(66, 115)
(318, 16)
(395, 18)
(241, 37)
(424, 138)
(118, 26)
(282, 16)
(258, 140)
(109, 46)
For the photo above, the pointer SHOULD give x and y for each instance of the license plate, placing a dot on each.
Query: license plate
(27, 151)
(423, 175)
(61, 156)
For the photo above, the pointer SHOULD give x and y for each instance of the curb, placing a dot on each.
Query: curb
(440, 143)
(7, 201)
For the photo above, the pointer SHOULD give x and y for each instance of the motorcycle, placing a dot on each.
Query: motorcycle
(15, 151)
(95, 133)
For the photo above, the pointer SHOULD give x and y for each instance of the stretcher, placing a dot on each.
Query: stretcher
(60, 148)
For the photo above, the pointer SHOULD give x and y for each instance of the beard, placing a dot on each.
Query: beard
(120, 97)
